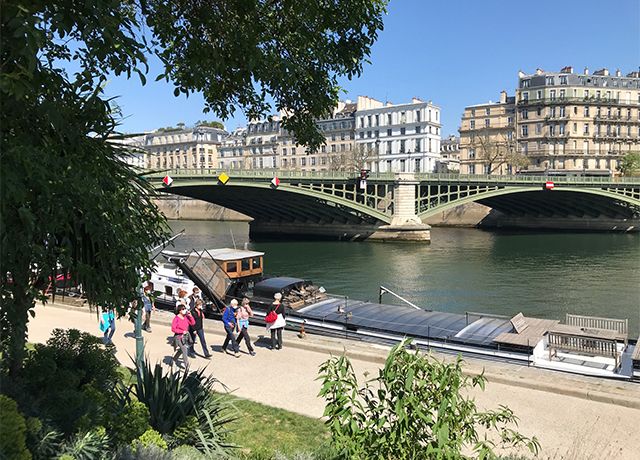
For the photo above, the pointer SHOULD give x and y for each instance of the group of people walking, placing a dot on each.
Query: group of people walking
(188, 323)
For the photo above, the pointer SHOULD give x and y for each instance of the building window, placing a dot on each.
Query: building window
(418, 116)
(525, 130)
(539, 94)
(563, 81)
(403, 131)
(377, 119)
(402, 166)
(538, 128)
(562, 94)
(361, 134)
(389, 132)
(369, 121)
(561, 129)
(472, 124)
(472, 169)
(562, 112)
(586, 111)
(525, 114)
(389, 119)
(549, 80)
(552, 94)
(472, 154)
(525, 83)
(586, 128)
(418, 128)
(402, 146)
(486, 123)
(403, 117)
(487, 111)
(525, 96)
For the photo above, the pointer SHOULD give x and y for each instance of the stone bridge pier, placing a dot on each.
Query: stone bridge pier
(405, 224)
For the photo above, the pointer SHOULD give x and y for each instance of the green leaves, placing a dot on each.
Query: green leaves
(415, 409)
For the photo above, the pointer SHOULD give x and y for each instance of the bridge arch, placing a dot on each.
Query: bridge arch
(286, 203)
(534, 202)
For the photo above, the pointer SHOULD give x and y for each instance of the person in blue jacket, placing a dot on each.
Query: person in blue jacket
(108, 324)
(230, 325)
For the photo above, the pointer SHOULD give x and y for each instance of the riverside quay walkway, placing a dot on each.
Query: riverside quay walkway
(392, 206)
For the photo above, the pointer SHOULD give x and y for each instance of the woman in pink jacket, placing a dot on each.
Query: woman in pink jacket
(181, 338)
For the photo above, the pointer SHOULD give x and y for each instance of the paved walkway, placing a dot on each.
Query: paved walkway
(572, 416)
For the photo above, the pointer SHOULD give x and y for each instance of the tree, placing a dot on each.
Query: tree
(630, 164)
(210, 124)
(353, 160)
(497, 149)
(416, 408)
(68, 203)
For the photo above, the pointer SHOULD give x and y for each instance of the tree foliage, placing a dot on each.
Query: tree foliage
(494, 150)
(69, 204)
(416, 408)
(630, 164)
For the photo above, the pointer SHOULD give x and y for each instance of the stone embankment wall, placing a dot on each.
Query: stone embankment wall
(179, 208)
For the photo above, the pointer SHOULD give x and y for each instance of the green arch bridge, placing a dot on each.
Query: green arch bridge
(394, 206)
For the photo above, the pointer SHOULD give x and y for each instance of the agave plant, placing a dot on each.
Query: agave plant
(92, 445)
(175, 398)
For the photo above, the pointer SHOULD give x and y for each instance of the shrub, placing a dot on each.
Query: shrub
(65, 380)
(175, 397)
(414, 409)
(43, 442)
(151, 438)
(187, 453)
(129, 422)
(13, 430)
(92, 445)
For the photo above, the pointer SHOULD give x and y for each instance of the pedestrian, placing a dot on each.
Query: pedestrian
(275, 328)
(182, 299)
(230, 325)
(194, 297)
(243, 314)
(181, 338)
(198, 328)
(148, 306)
(108, 324)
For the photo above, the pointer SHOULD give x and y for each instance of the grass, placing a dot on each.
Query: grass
(261, 431)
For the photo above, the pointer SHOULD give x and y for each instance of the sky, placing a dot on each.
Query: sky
(454, 53)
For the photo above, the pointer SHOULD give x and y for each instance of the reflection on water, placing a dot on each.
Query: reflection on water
(541, 274)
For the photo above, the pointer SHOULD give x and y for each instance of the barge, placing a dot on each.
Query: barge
(582, 344)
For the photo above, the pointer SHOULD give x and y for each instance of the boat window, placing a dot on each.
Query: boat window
(245, 264)
(256, 262)
(168, 290)
(232, 267)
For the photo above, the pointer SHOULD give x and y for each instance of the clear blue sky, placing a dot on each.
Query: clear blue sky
(454, 52)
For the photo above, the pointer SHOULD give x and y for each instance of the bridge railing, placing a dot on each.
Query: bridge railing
(435, 177)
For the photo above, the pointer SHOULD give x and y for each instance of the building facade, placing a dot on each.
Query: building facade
(449, 155)
(577, 121)
(487, 138)
(183, 148)
(398, 138)
(233, 150)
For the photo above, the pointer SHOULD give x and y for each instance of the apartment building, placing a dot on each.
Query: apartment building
(577, 121)
(449, 155)
(398, 137)
(487, 138)
(337, 154)
(233, 150)
(183, 147)
(135, 155)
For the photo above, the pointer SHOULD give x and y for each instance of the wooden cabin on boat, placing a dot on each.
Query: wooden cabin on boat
(238, 263)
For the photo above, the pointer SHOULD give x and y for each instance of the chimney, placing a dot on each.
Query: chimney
(618, 73)
(586, 70)
(503, 97)
(567, 69)
(602, 72)
(539, 71)
(521, 74)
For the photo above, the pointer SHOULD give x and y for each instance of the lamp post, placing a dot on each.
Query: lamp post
(377, 168)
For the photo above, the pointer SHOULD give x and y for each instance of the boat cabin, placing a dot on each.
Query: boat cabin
(238, 263)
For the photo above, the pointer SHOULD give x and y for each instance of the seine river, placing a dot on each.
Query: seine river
(540, 274)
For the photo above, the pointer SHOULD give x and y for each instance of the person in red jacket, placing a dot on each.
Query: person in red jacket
(181, 338)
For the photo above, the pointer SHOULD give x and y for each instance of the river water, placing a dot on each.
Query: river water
(540, 274)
